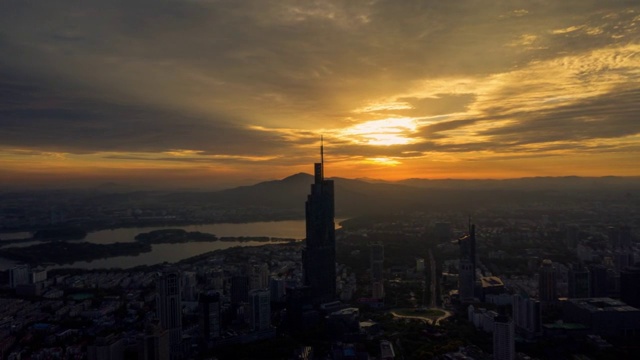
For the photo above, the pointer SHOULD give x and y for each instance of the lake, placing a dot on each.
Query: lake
(291, 229)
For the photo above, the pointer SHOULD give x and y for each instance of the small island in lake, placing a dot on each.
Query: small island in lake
(172, 236)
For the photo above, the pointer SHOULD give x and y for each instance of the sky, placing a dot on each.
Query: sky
(213, 93)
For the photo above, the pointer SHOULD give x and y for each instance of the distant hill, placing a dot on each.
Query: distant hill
(356, 197)
(285, 198)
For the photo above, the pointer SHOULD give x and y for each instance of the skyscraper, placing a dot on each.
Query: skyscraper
(259, 310)
(630, 285)
(169, 307)
(467, 268)
(503, 339)
(547, 282)
(18, 275)
(377, 269)
(319, 256)
(209, 309)
(579, 282)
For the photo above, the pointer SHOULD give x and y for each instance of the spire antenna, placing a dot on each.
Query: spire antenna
(322, 154)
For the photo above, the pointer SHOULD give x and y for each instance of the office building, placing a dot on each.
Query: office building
(504, 346)
(19, 275)
(239, 289)
(319, 255)
(154, 344)
(526, 315)
(210, 319)
(169, 308)
(377, 270)
(598, 281)
(630, 285)
(467, 268)
(106, 348)
(579, 282)
(603, 316)
(547, 282)
(259, 310)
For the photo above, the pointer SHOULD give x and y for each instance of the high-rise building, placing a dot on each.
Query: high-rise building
(377, 270)
(467, 268)
(598, 281)
(259, 310)
(210, 319)
(239, 289)
(630, 285)
(19, 275)
(106, 348)
(319, 255)
(526, 315)
(578, 282)
(504, 346)
(154, 344)
(169, 307)
(547, 282)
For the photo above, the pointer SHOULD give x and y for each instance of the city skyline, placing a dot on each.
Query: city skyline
(214, 93)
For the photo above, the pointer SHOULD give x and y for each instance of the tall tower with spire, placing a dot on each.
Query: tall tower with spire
(319, 255)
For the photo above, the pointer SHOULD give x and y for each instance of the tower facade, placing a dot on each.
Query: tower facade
(547, 282)
(319, 256)
(377, 271)
(503, 339)
(210, 319)
(259, 310)
(579, 282)
(467, 268)
(169, 307)
(630, 285)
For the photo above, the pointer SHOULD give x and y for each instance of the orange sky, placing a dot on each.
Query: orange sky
(202, 93)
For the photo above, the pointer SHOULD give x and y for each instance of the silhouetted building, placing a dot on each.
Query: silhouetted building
(169, 308)
(210, 319)
(547, 282)
(259, 310)
(598, 281)
(154, 344)
(578, 282)
(603, 316)
(467, 268)
(319, 255)
(630, 285)
(239, 289)
(526, 315)
(106, 348)
(377, 271)
(19, 275)
(504, 339)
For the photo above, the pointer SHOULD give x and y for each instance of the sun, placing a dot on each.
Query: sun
(385, 132)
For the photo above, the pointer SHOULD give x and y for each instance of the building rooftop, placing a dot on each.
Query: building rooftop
(602, 304)
(490, 281)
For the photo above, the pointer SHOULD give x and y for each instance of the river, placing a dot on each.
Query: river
(290, 229)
